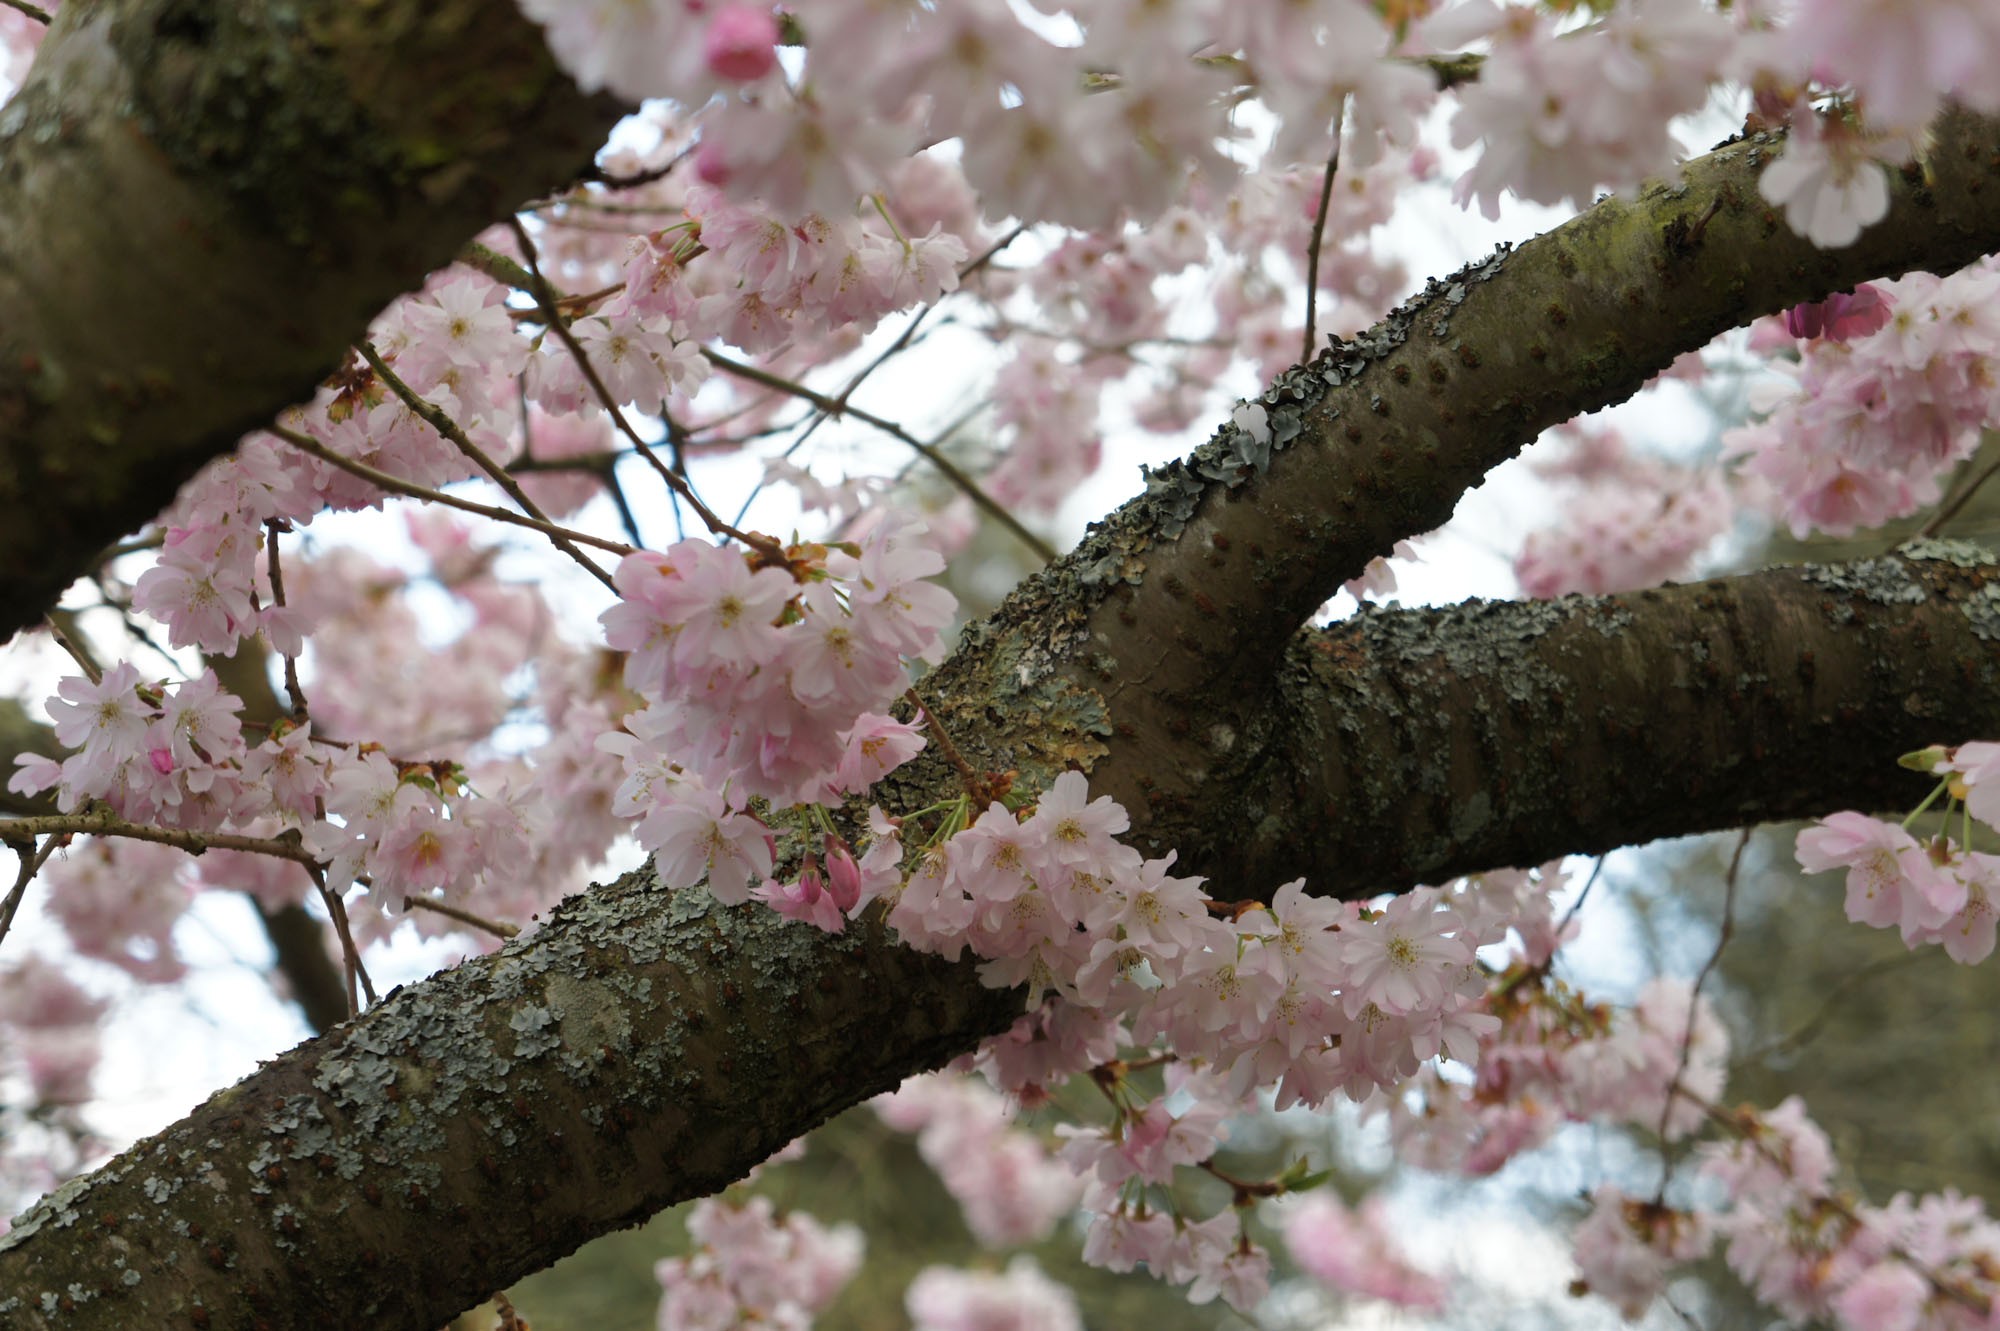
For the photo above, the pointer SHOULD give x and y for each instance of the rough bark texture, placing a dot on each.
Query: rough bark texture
(202, 205)
(1412, 748)
(300, 163)
(639, 1049)
(645, 1047)
(1179, 607)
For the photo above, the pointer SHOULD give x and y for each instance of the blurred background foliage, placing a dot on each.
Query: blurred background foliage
(857, 1169)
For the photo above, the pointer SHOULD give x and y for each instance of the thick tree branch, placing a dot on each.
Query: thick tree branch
(1409, 748)
(1180, 605)
(300, 165)
(642, 1048)
(201, 207)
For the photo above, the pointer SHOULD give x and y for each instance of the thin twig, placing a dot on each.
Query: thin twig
(990, 506)
(292, 688)
(498, 928)
(1722, 938)
(1951, 507)
(102, 822)
(1811, 1028)
(1596, 869)
(975, 785)
(435, 417)
(397, 485)
(598, 175)
(902, 341)
(545, 296)
(351, 957)
(1318, 231)
(84, 660)
(35, 12)
(32, 860)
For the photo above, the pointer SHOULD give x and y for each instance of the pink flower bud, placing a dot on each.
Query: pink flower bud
(843, 875)
(1841, 316)
(162, 760)
(741, 44)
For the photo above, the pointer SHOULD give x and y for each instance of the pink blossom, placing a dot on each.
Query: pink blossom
(1404, 959)
(421, 852)
(876, 746)
(805, 899)
(106, 716)
(1888, 1296)
(1829, 183)
(1883, 862)
(695, 836)
(200, 588)
(741, 43)
(1842, 316)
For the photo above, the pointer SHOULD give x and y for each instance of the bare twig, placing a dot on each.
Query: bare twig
(1319, 231)
(545, 296)
(32, 860)
(437, 419)
(397, 485)
(351, 957)
(1722, 937)
(498, 928)
(84, 660)
(292, 688)
(101, 821)
(990, 506)
(35, 12)
(1951, 507)
(1807, 1032)
(978, 787)
(903, 339)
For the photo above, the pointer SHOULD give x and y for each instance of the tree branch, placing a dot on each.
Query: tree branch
(300, 164)
(1185, 600)
(1410, 747)
(644, 1047)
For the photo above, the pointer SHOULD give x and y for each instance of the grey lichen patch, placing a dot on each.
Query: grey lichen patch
(1964, 554)
(1882, 581)
(591, 1018)
(1982, 612)
(532, 1027)
(1475, 639)
(56, 1211)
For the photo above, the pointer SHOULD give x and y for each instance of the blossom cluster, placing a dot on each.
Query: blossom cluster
(1306, 996)
(1804, 1247)
(1010, 1190)
(171, 754)
(1631, 521)
(751, 1265)
(1020, 1298)
(1555, 1058)
(1884, 398)
(767, 677)
(1936, 890)
(1109, 121)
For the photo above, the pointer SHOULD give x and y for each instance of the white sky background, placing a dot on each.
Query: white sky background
(167, 1049)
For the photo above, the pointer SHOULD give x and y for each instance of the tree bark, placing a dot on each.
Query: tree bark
(201, 207)
(642, 1047)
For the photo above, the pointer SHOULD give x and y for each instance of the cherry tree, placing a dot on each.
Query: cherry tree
(1197, 801)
